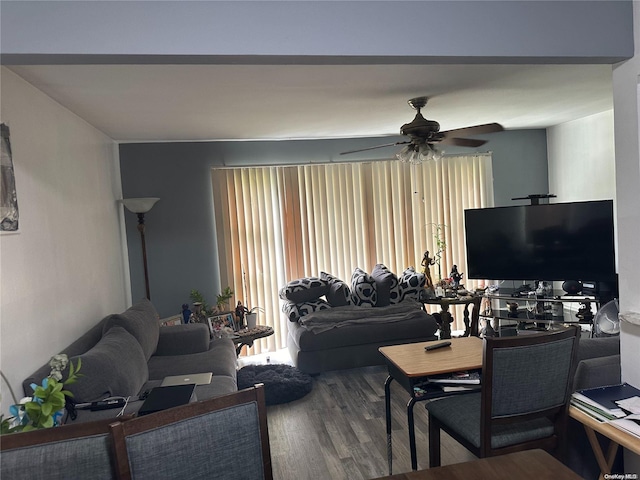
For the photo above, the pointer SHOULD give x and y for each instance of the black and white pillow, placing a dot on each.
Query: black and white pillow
(305, 289)
(363, 289)
(411, 284)
(338, 294)
(387, 285)
(294, 311)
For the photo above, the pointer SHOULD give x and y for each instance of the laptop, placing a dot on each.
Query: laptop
(197, 378)
(161, 398)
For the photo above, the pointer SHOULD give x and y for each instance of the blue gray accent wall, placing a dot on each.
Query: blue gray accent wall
(182, 249)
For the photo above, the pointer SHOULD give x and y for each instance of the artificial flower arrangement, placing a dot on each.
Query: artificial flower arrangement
(46, 408)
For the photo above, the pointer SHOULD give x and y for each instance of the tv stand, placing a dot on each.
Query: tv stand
(535, 197)
(516, 314)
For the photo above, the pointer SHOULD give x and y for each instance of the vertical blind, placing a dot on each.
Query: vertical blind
(277, 224)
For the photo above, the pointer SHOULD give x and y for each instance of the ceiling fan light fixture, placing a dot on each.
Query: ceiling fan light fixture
(417, 154)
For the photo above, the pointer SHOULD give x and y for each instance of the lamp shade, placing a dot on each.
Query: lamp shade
(139, 205)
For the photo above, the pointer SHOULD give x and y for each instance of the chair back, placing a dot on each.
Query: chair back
(224, 438)
(60, 453)
(528, 377)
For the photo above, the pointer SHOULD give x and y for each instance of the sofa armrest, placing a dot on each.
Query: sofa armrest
(597, 372)
(598, 347)
(183, 339)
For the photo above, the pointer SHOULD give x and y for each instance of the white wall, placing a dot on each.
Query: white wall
(582, 159)
(64, 270)
(626, 104)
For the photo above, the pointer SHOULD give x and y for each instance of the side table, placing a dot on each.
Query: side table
(409, 364)
(247, 336)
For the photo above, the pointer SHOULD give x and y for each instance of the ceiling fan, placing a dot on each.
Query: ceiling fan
(424, 134)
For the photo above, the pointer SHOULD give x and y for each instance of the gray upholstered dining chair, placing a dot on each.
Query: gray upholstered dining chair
(60, 453)
(223, 437)
(523, 402)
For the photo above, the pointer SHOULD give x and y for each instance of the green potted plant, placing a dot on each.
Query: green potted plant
(223, 298)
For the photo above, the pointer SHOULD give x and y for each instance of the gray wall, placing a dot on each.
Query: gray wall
(180, 229)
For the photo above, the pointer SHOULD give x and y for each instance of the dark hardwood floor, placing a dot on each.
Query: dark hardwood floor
(338, 430)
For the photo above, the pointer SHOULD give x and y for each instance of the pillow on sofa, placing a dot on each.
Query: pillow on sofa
(363, 289)
(387, 285)
(294, 311)
(142, 321)
(115, 366)
(411, 284)
(305, 289)
(338, 294)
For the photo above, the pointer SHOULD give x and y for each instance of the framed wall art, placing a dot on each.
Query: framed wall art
(8, 194)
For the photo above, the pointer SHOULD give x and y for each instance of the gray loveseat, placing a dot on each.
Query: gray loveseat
(335, 326)
(129, 353)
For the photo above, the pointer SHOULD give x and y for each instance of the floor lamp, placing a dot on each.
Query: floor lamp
(140, 206)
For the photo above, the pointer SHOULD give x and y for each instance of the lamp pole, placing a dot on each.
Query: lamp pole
(144, 253)
(140, 206)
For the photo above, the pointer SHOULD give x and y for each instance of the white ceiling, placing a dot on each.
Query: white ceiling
(133, 103)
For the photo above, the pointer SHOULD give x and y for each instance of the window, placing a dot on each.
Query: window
(276, 224)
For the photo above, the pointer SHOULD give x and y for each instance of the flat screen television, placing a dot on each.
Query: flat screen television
(558, 241)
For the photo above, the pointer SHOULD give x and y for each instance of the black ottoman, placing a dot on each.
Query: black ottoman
(282, 383)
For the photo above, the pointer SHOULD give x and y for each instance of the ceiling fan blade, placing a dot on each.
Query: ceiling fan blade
(373, 148)
(462, 142)
(475, 130)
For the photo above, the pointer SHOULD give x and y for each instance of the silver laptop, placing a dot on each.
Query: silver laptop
(197, 378)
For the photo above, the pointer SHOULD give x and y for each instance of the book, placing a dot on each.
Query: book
(592, 411)
(605, 398)
(456, 378)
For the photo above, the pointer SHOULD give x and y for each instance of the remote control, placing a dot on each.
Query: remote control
(437, 345)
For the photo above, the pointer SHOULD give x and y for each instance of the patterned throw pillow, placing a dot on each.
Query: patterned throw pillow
(387, 285)
(294, 311)
(411, 284)
(363, 289)
(305, 289)
(338, 294)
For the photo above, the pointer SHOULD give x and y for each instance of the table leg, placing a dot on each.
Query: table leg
(475, 316)
(605, 464)
(387, 408)
(445, 323)
(467, 324)
(412, 434)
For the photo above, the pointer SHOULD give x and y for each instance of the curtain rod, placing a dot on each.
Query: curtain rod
(224, 166)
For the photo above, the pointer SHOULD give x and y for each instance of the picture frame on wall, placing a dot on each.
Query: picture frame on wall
(9, 214)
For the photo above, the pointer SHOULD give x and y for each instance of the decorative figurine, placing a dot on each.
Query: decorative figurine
(544, 289)
(186, 313)
(455, 277)
(585, 315)
(241, 311)
(427, 261)
(513, 309)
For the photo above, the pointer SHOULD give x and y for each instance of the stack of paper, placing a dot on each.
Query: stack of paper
(611, 404)
(629, 424)
(457, 378)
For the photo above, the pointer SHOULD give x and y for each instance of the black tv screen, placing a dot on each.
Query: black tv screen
(559, 241)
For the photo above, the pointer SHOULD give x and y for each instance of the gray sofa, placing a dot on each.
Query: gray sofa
(129, 353)
(349, 336)
(334, 325)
